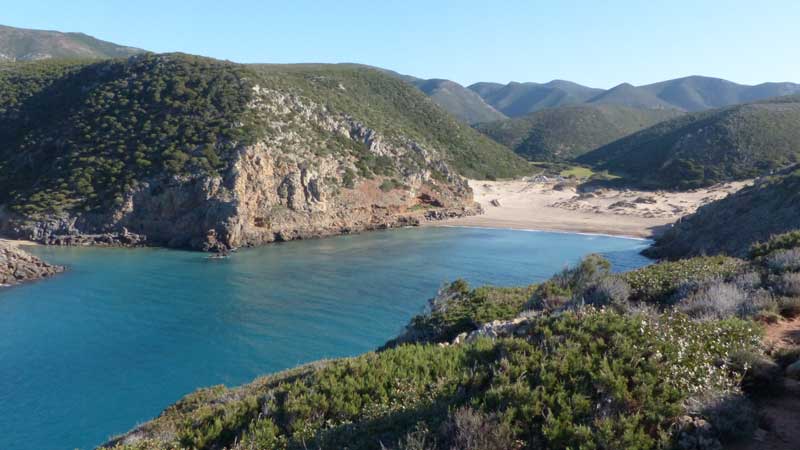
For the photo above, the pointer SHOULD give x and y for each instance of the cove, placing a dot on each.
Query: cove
(125, 333)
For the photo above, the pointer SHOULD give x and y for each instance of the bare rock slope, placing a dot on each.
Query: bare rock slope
(17, 266)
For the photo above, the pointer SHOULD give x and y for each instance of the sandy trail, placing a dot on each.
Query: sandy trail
(538, 204)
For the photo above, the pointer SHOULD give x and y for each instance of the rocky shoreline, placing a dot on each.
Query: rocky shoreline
(18, 266)
(40, 233)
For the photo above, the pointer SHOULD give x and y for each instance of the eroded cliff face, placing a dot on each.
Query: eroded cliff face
(289, 185)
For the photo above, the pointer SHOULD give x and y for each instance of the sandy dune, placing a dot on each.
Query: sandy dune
(534, 204)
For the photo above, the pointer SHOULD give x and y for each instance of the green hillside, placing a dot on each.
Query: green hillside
(19, 44)
(628, 95)
(570, 131)
(732, 225)
(698, 93)
(704, 148)
(694, 93)
(518, 99)
(76, 135)
(459, 101)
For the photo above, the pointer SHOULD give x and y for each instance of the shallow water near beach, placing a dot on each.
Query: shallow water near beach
(124, 333)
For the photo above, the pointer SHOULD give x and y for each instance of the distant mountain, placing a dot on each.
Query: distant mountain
(518, 99)
(733, 224)
(698, 93)
(458, 100)
(628, 95)
(703, 148)
(19, 44)
(567, 132)
(692, 94)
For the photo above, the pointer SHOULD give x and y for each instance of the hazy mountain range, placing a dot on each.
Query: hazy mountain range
(694, 93)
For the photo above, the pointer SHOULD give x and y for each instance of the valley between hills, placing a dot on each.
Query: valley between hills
(106, 145)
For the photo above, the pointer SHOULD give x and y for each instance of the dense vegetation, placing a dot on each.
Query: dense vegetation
(518, 99)
(705, 148)
(733, 224)
(570, 131)
(21, 45)
(593, 359)
(76, 135)
(397, 111)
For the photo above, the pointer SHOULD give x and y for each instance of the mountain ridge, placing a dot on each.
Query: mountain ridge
(22, 44)
(703, 148)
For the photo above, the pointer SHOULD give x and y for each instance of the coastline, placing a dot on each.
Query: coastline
(534, 230)
(550, 206)
(18, 242)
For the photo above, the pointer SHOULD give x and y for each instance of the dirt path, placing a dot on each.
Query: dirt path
(781, 414)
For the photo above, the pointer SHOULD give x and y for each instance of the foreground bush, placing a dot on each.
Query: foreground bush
(656, 283)
(587, 379)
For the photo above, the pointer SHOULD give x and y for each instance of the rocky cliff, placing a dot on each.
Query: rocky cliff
(17, 266)
(194, 153)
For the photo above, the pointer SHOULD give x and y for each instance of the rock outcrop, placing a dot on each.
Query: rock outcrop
(17, 266)
(279, 188)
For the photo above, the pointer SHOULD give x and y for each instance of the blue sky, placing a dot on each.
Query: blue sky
(597, 43)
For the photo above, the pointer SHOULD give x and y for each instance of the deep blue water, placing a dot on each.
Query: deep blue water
(124, 333)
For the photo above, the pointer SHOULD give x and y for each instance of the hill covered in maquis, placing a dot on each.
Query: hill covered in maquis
(701, 149)
(567, 132)
(93, 147)
(734, 224)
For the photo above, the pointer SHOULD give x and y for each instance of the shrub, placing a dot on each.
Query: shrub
(583, 379)
(732, 415)
(784, 260)
(716, 300)
(468, 429)
(761, 374)
(790, 284)
(457, 309)
(748, 281)
(787, 355)
(658, 282)
(559, 290)
(789, 307)
(778, 242)
(610, 291)
(420, 438)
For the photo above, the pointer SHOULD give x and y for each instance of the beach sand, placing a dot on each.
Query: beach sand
(541, 205)
(17, 242)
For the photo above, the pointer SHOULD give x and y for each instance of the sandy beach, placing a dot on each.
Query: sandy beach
(17, 242)
(533, 204)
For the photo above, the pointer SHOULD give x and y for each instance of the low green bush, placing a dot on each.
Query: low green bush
(789, 307)
(457, 309)
(782, 241)
(658, 282)
(583, 379)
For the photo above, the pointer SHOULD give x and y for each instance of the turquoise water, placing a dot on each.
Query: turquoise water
(125, 333)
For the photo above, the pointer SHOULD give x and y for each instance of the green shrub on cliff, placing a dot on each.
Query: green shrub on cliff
(589, 379)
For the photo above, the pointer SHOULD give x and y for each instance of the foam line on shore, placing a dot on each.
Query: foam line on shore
(532, 230)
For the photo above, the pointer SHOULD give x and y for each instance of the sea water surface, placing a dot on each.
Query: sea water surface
(124, 333)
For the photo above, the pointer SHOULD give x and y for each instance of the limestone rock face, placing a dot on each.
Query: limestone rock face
(17, 266)
(287, 186)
